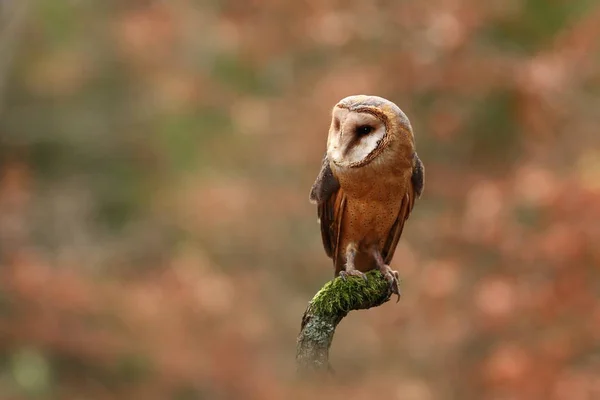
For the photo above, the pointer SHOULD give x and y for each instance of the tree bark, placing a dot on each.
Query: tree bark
(325, 311)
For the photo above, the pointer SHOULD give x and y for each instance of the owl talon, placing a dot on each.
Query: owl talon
(353, 272)
(392, 277)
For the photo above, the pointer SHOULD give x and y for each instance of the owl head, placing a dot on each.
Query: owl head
(363, 127)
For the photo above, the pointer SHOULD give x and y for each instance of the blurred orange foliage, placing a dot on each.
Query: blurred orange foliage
(156, 239)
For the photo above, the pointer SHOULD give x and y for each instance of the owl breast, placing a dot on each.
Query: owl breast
(373, 202)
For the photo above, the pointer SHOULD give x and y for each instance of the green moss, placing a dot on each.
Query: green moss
(340, 296)
(332, 303)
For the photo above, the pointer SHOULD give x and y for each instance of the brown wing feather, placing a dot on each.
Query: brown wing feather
(394, 236)
(330, 201)
(336, 225)
(330, 212)
(415, 188)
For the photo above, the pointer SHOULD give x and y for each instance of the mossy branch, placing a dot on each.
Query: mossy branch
(327, 308)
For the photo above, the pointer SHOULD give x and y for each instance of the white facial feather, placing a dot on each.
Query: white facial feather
(343, 147)
(365, 146)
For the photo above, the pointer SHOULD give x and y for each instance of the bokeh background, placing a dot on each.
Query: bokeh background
(156, 239)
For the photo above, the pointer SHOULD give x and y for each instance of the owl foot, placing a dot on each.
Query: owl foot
(352, 272)
(350, 269)
(392, 277)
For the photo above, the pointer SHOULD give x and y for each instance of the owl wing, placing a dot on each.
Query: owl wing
(330, 200)
(415, 188)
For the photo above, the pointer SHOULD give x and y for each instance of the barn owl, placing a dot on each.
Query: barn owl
(366, 189)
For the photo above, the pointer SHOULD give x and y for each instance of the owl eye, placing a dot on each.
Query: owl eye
(364, 130)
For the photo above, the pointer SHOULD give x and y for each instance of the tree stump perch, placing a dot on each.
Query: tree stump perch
(325, 311)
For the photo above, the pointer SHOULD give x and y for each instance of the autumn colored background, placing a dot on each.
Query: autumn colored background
(156, 239)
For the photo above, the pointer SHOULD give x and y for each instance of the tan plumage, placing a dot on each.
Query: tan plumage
(367, 186)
